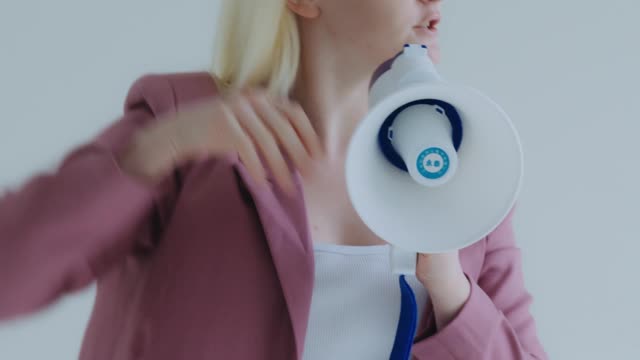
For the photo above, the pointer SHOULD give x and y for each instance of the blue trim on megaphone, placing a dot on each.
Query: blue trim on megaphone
(387, 147)
(407, 324)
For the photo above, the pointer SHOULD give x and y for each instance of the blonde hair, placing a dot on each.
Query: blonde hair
(256, 44)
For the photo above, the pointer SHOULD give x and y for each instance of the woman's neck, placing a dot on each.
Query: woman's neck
(333, 91)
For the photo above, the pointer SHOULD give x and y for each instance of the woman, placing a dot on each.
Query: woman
(213, 214)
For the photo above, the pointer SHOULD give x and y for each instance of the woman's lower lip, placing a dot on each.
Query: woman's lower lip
(426, 31)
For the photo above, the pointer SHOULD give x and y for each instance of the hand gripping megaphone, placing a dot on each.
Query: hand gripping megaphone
(433, 167)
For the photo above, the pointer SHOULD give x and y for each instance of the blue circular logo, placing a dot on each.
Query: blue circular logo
(433, 163)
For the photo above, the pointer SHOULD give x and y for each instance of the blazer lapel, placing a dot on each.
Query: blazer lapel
(283, 219)
(284, 222)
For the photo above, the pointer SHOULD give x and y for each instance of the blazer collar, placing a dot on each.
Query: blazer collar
(284, 221)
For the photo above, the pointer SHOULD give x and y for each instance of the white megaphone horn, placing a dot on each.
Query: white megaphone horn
(433, 167)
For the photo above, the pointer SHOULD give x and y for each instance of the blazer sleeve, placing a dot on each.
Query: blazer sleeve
(62, 229)
(495, 322)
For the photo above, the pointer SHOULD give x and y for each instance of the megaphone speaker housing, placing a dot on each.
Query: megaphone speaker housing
(433, 167)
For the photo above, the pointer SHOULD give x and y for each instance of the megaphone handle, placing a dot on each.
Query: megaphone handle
(403, 262)
(406, 324)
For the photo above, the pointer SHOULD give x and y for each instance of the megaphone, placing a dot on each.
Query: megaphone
(434, 166)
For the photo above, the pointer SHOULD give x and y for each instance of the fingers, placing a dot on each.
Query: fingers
(261, 124)
(262, 137)
(284, 131)
(298, 118)
(245, 147)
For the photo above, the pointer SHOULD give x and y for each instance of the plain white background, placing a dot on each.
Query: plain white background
(566, 72)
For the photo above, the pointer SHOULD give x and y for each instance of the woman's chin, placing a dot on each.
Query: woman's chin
(435, 58)
(434, 53)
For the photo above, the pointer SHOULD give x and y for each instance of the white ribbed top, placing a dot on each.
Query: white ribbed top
(355, 305)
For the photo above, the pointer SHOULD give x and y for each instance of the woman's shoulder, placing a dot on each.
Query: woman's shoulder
(162, 90)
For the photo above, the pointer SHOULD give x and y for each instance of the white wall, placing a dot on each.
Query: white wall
(566, 72)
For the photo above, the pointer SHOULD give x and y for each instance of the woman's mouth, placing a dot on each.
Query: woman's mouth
(426, 31)
(428, 27)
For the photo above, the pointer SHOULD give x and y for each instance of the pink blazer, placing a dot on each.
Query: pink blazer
(206, 265)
